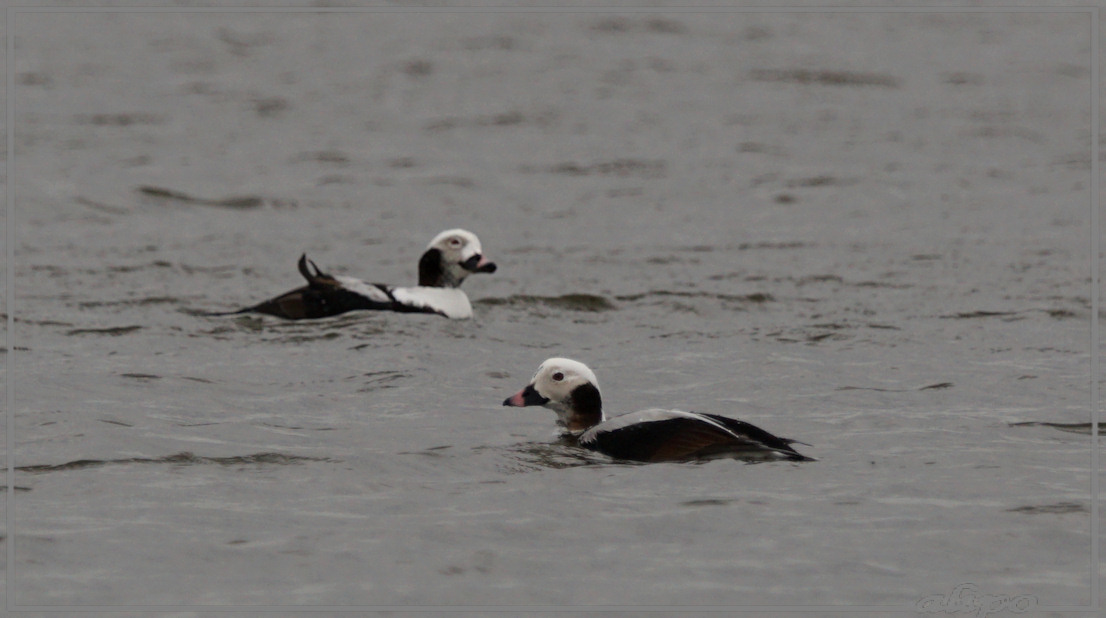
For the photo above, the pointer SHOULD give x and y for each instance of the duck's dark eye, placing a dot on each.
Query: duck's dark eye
(454, 242)
(557, 377)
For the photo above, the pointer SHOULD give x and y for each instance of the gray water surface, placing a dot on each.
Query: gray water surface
(869, 232)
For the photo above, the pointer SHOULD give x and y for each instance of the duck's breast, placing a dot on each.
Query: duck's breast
(450, 302)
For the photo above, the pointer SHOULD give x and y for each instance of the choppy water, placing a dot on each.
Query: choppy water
(868, 232)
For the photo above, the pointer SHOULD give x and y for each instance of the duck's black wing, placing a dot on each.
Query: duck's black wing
(672, 435)
(741, 428)
(323, 296)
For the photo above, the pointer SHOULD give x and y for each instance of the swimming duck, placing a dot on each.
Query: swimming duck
(570, 389)
(449, 258)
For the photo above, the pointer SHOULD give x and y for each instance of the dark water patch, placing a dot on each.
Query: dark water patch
(113, 331)
(16, 488)
(443, 124)
(77, 464)
(622, 168)
(805, 335)
(200, 380)
(928, 387)
(663, 25)
(971, 315)
(130, 302)
(825, 77)
(267, 107)
(19, 320)
(733, 275)
(882, 284)
(708, 502)
(381, 379)
(34, 78)
(1061, 314)
(312, 337)
(746, 246)
(671, 259)
(183, 458)
(1079, 161)
(332, 157)
(509, 118)
(417, 68)
(756, 297)
(1080, 428)
(114, 422)
(612, 25)
(433, 451)
(843, 326)
(1050, 509)
(962, 78)
(832, 325)
(819, 279)
(816, 337)
(130, 268)
(337, 179)
(237, 202)
(463, 182)
(481, 561)
(571, 302)
(145, 377)
(242, 43)
(122, 119)
(505, 119)
(820, 181)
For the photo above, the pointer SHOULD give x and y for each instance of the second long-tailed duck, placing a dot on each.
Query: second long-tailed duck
(449, 258)
(570, 389)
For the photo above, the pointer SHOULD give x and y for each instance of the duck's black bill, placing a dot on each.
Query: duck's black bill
(477, 264)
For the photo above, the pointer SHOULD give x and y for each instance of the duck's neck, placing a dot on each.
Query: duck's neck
(582, 409)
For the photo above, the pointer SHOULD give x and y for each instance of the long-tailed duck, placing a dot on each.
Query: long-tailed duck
(448, 259)
(570, 389)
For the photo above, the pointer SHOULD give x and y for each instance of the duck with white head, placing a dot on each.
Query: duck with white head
(570, 389)
(449, 258)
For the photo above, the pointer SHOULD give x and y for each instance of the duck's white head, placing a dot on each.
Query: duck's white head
(451, 257)
(569, 388)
